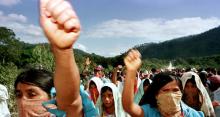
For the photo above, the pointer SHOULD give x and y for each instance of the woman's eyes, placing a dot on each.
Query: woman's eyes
(110, 95)
(32, 94)
(18, 94)
(173, 90)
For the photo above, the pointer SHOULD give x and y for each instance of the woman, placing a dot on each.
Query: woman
(61, 26)
(195, 94)
(163, 97)
(95, 85)
(109, 102)
(35, 95)
(142, 88)
(32, 88)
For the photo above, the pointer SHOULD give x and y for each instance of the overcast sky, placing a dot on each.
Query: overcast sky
(110, 27)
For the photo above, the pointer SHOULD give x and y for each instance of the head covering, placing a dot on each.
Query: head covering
(207, 107)
(140, 93)
(98, 82)
(99, 68)
(94, 95)
(119, 112)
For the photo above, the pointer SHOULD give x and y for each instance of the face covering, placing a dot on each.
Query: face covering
(169, 103)
(32, 108)
(94, 95)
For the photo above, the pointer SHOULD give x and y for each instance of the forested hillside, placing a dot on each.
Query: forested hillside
(204, 44)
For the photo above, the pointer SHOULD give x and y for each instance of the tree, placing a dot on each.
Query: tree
(42, 57)
(10, 47)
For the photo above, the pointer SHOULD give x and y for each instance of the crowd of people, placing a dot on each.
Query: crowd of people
(125, 92)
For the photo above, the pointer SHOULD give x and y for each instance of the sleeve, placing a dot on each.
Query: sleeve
(56, 112)
(89, 108)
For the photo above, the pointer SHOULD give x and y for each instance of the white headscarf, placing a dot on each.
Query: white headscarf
(98, 82)
(207, 107)
(119, 112)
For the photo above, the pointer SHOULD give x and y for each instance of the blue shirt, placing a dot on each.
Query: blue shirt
(188, 112)
(89, 109)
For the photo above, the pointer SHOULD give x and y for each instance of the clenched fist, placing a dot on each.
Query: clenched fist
(59, 22)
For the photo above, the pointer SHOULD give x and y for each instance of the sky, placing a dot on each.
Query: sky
(111, 27)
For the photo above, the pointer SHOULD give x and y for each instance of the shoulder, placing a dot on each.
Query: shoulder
(89, 108)
(190, 112)
(149, 111)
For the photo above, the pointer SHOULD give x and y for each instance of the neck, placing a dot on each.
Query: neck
(110, 110)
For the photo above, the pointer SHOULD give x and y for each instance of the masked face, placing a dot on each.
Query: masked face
(169, 98)
(169, 103)
(29, 100)
(32, 108)
(94, 93)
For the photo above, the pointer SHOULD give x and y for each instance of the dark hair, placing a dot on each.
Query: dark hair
(105, 88)
(153, 70)
(203, 76)
(37, 77)
(146, 82)
(159, 81)
(92, 83)
(192, 80)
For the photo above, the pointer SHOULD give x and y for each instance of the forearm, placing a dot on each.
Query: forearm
(128, 90)
(66, 78)
(114, 77)
(128, 96)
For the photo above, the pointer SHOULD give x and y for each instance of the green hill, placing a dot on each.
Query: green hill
(204, 44)
(185, 49)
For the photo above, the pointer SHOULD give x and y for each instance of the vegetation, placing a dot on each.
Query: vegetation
(204, 44)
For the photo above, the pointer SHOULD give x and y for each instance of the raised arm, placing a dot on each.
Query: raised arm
(114, 76)
(132, 62)
(61, 26)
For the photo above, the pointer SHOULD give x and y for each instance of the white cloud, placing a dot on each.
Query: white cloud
(81, 47)
(9, 2)
(152, 30)
(17, 17)
(128, 33)
(13, 18)
(25, 31)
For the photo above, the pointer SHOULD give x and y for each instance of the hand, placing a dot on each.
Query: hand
(59, 22)
(88, 61)
(133, 60)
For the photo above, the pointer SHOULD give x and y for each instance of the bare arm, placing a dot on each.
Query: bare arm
(114, 76)
(61, 26)
(132, 62)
